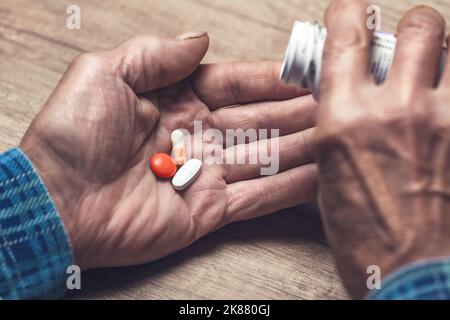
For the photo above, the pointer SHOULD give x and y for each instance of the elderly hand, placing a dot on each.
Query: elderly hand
(383, 151)
(113, 110)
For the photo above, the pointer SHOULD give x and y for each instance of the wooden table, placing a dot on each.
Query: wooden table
(283, 256)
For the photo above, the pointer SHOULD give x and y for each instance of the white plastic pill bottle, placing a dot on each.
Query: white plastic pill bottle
(303, 58)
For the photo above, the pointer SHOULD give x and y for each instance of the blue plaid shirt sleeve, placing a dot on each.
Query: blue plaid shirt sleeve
(423, 280)
(34, 248)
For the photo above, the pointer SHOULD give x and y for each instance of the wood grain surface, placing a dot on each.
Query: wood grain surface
(283, 256)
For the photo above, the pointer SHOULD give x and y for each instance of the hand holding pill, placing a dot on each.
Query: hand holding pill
(115, 110)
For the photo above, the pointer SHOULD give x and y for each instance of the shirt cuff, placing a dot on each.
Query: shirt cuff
(422, 280)
(34, 248)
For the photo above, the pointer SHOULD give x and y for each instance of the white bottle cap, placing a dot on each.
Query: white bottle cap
(303, 57)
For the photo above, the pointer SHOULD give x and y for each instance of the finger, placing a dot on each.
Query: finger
(253, 198)
(445, 65)
(146, 63)
(224, 84)
(244, 161)
(346, 53)
(288, 116)
(420, 36)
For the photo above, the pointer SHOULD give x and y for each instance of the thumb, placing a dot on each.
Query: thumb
(146, 63)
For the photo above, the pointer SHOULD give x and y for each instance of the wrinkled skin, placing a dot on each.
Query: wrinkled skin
(112, 110)
(383, 151)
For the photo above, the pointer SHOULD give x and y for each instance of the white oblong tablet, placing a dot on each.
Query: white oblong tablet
(187, 174)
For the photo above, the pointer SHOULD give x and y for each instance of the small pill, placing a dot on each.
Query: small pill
(163, 165)
(178, 148)
(187, 174)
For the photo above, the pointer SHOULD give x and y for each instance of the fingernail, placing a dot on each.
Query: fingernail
(191, 35)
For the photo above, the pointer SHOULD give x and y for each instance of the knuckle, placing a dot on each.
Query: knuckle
(231, 80)
(340, 51)
(84, 58)
(411, 109)
(143, 41)
(215, 119)
(399, 121)
(347, 39)
(338, 124)
(89, 61)
(439, 118)
(141, 57)
(420, 112)
(329, 78)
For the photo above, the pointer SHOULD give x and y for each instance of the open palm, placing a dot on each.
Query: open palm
(113, 110)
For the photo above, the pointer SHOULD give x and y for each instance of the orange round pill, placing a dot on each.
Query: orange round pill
(163, 165)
